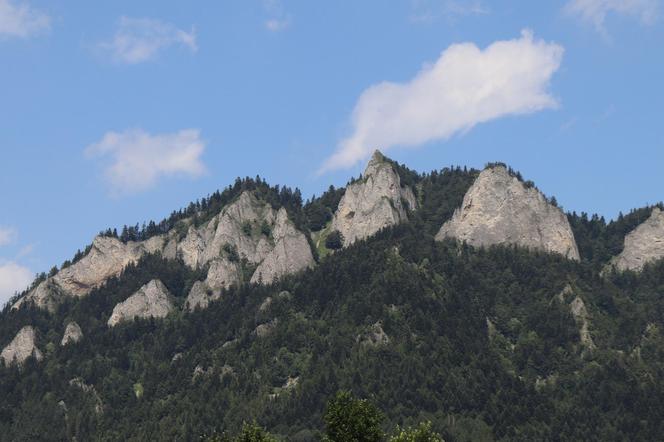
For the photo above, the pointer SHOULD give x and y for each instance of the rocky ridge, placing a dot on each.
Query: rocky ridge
(244, 229)
(500, 209)
(376, 201)
(644, 244)
(22, 347)
(153, 300)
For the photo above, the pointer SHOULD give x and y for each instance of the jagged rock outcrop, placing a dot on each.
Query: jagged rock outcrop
(374, 337)
(291, 252)
(644, 244)
(500, 209)
(153, 300)
(73, 334)
(107, 258)
(245, 228)
(580, 314)
(376, 201)
(221, 274)
(22, 347)
(89, 390)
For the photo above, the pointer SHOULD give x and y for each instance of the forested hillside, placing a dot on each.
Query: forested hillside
(484, 343)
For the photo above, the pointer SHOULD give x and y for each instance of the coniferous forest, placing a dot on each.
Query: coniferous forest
(399, 336)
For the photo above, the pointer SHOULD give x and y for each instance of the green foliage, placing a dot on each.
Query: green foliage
(247, 228)
(525, 377)
(349, 419)
(421, 433)
(334, 240)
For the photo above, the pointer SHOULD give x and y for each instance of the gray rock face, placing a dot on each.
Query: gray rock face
(73, 334)
(221, 274)
(247, 227)
(500, 209)
(151, 300)
(89, 390)
(644, 244)
(580, 314)
(374, 337)
(22, 347)
(106, 259)
(291, 252)
(375, 202)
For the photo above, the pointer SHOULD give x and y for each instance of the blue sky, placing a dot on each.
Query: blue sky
(113, 113)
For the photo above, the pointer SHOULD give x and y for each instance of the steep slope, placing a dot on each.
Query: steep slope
(22, 347)
(376, 201)
(244, 229)
(644, 244)
(500, 209)
(153, 300)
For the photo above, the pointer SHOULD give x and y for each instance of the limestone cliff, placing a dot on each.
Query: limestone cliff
(500, 209)
(153, 300)
(246, 228)
(107, 258)
(73, 334)
(21, 347)
(376, 201)
(644, 244)
(291, 252)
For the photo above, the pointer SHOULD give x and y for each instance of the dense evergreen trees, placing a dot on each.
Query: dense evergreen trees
(478, 344)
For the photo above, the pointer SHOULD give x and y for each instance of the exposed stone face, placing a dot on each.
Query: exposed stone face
(375, 202)
(580, 314)
(264, 330)
(90, 390)
(73, 334)
(240, 227)
(221, 274)
(374, 337)
(644, 244)
(22, 347)
(151, 300)
(500, 209)
(107, 258)
(291, 252)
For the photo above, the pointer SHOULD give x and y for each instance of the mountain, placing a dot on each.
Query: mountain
(461, 297)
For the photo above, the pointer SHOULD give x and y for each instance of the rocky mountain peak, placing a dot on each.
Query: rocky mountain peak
(376, 201)
(246, 228)
(644, 244)
(500, 209)
(22, 347)
(73, 334)
(153, 300)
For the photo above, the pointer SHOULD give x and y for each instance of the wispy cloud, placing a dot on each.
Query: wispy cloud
(139, 159)
(430, 10)
(7, 235)
(278, 19)
(464, 87)
(18, 19)
(137, 40)
(596, 11)
(13, 278)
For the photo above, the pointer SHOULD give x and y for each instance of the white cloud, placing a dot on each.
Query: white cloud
(13, 278)
(141, 39)
(7, 235)
(464, 87)
(18, 19)
(595, 11)
(140, 159)
(278, 19)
